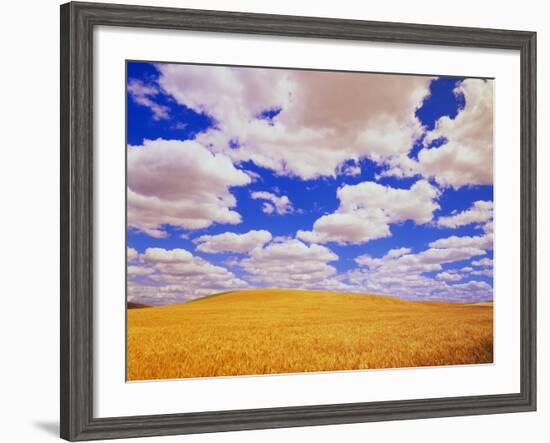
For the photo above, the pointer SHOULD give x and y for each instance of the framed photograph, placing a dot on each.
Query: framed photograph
(274, 221)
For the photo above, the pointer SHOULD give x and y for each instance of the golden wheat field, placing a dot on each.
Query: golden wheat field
(274, 331)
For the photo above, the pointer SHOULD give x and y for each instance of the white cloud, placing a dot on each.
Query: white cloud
(425, 261)
(291, 264)
(280, 204)
(131, 254)
(225, 93)
(398, 252)
(466, 156)
(281, 238)
(482, 242)
(232, 242)
(351, 170)
(418, 286)
(473, 287)
(326, 123)
(161, 255)
(254, 176)
(448, 276)
(402, 273)
(483, 262)
(142, 94)
(484, 272)
(367, 209)
(417, 203)
(139, 270)
(480, 212)
(268, 208)
(180, 184)
(325, 118)
(358, 226)
(170, 276)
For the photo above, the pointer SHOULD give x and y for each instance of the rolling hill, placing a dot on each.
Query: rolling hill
(269, 331)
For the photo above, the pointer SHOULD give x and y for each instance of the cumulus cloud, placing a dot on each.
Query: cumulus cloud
(143, 95)
(420, 287)
(323, 124)
(484, 272)
(473, 288)
(291, 264)
(466, 155)
(417, 203)
(398, 252)
(449, 276)
(367, 209)
(480, 212)
(350, 170)
(131, 254)
(139, 270)
(268, 208)
(161, 255)
(481, 241)
(403, 273)
(325, 118)
(483, 262)
(355, 227)
(176, 275)
(425, 261)
(279, 204)
(232, 242)
(180, 184)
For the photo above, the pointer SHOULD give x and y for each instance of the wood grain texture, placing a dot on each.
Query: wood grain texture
(77, 24)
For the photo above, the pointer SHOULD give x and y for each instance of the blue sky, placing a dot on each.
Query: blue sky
(250, 177)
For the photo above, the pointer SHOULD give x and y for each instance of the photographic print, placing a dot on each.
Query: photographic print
(291, 221)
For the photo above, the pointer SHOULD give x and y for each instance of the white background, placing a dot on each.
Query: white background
(29, 223)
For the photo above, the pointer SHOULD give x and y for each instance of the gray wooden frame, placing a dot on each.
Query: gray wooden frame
(77, 23)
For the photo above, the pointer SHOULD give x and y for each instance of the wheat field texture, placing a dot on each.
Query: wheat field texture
(277, 331)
